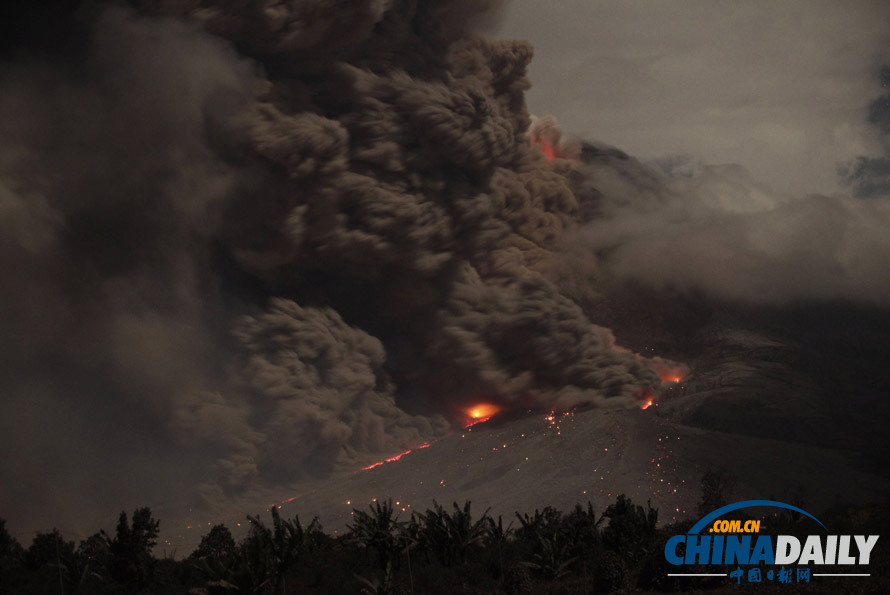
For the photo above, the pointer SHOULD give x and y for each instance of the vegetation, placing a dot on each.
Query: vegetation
(442, 550)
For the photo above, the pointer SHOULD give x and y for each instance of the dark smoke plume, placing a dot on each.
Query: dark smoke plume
(281, 240)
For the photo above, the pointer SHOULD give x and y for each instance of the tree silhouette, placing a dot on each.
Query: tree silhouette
(496, 536)
(51, 550)
(553, 561)
(130, 549)
(11, 552)
(217, 544)
(545, 521)
(379, 531)
(454, 535)
(48, 548)
(580, 529)
(283, 544)
(11, 555)
(631, 529)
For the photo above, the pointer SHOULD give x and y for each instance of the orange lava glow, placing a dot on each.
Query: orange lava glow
(648, 399)
(674, 375)
(480, 413)
(548, 150)
(396, 457)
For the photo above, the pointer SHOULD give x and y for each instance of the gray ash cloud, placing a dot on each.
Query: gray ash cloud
(284, 239)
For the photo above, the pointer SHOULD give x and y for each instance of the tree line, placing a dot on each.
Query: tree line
(446, 549)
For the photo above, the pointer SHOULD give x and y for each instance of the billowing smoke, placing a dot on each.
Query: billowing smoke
(261, 242)
(712, 230)
(682, 225)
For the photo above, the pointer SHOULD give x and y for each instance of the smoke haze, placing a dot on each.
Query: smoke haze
(713, 230)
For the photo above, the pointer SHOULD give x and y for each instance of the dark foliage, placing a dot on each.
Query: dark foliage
(217, 545)
(439, 551)
(130, 550)
(631, 529)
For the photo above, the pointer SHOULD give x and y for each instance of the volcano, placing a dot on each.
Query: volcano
(757, 405)
(312, 253)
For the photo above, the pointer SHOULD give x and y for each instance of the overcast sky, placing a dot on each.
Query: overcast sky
(780, 87)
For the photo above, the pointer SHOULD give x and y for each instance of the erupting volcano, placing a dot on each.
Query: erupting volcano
(263, 244)
(357, 223)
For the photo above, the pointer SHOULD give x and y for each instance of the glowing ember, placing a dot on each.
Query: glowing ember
(480, 413)
(396, 457)
(647, 403)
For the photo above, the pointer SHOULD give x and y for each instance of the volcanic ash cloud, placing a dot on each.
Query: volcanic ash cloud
(294, 236)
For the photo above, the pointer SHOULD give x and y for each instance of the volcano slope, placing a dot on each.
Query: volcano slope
(787, 411)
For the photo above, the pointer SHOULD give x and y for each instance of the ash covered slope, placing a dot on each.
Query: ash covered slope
(767, 412)
(593, 455)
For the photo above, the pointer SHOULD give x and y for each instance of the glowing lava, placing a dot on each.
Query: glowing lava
(648, 399)
(548, 150)
(674, 375)
(480, 413)
(397, 457)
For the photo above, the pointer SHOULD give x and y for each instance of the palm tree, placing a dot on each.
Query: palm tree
(497, 536)
(580, 528)
(379, 531)
(463, 533)
(283, 544)
(544, 522)
(553, 561)
(452, 536)
(382, 532)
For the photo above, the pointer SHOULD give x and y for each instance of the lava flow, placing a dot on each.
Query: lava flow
(480, 413)
(396, 457)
